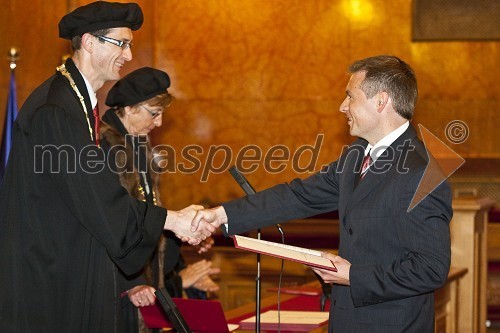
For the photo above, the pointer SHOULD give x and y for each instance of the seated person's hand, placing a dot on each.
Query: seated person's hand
(142, 295)
(194, 272)
(206, 284)
(205, 245)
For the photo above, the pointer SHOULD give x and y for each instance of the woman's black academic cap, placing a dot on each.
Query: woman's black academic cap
(100, 15)
(138, 86)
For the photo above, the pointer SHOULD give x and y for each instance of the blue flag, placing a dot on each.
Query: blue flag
(10, 116)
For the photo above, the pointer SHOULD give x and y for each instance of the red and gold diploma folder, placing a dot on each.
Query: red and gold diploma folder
(302, 255)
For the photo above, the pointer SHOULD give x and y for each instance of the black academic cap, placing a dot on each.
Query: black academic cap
(100, 15)
(138, 86)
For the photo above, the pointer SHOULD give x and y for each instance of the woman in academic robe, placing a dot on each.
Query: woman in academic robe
(138, 101)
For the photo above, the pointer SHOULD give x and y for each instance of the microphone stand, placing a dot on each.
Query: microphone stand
(257, 291)
(245, 185)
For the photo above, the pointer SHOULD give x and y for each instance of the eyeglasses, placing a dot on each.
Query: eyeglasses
(120, 43)
(154, 114)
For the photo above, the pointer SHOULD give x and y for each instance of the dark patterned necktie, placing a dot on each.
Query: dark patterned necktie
(97, 131)
(367, 161)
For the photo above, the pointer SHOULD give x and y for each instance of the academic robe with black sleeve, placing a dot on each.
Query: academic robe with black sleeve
(66, 230)
(398, 257)
(135, 155)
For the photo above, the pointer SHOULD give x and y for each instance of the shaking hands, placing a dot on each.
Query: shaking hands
(214, 216)
(179, 222)
(194, 224)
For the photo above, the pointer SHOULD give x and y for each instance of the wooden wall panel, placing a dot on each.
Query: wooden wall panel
(251, 73)
(255, 72)
(251, 49)
(457, 81)
(31, 27)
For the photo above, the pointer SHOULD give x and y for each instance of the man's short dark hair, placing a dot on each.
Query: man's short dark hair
(392, 75)
(76, 42)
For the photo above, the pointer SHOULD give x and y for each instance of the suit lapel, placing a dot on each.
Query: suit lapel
(387, 162)
(350, 170)
(370, 182)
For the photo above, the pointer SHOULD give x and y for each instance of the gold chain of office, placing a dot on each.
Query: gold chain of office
(62, 69)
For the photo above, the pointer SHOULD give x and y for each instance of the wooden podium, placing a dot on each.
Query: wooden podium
(469, 228)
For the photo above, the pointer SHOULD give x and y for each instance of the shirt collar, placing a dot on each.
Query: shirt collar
(93, 97)
(379, 148)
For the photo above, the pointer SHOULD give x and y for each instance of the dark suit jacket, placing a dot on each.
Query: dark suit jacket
(398, 257)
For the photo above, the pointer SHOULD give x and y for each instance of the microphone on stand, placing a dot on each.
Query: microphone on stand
(245, 185)
(241, 180)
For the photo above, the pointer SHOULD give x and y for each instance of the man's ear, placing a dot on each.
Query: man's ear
(88, 42)
(381, 99)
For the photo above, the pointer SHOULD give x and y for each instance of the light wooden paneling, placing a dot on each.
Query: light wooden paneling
(469, 236)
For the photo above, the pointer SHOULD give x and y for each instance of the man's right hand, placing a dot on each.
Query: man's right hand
(214, 216)
(180, 222)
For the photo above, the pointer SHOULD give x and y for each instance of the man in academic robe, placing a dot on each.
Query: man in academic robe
(67, 226)
(392, 254)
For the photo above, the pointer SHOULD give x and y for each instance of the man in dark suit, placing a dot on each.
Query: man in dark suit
(391, 258)
(67, 226)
